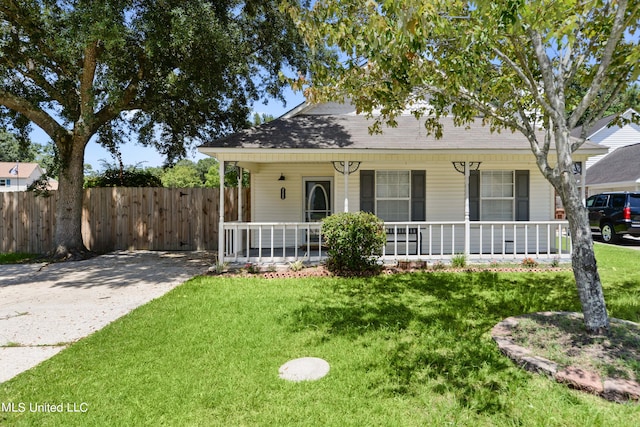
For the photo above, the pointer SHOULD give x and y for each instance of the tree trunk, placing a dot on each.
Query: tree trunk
(583, 259)
(68, 233)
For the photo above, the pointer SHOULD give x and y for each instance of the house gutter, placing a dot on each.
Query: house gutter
(341, 152)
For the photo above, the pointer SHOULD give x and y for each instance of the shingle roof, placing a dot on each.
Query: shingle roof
(352, 131)
(602, 123)
(24, 169)
(621, 165)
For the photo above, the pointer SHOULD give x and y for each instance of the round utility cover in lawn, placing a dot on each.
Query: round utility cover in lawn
(304, 369)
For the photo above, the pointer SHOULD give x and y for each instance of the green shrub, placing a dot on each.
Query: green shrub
(459, 261)
(296, 265)
(354, 242)
(126, 177)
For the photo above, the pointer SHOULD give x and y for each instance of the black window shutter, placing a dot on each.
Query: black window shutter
(474, 195)
(368, 191)
(418, 196)
(522, 195)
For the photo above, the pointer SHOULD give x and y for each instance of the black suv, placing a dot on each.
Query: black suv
(614, 214)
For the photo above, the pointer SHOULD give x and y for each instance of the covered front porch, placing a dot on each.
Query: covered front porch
(285, 227)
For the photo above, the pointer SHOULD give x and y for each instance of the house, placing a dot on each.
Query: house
(18, 176)
(617, 171)
(612, 136)
(471, 192)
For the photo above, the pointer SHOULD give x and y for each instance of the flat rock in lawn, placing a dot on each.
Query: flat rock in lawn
(304, 369)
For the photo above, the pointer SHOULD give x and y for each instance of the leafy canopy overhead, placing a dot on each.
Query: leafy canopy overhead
(183, 70)
(515, 62)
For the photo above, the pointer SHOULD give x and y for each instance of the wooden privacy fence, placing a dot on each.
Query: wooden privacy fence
(122, 218)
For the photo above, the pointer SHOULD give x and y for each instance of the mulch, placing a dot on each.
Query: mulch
(321, 271)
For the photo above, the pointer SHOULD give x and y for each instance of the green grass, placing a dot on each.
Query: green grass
(405, 350)
(620, 276)
(13, 257)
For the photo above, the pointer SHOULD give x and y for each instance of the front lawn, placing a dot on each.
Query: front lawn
(404, 350)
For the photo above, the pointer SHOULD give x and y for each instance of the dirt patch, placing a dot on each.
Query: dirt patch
(557, 344)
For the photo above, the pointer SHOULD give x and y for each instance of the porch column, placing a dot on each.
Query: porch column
(345, 173)
(221, 215)
(238, 243)
(346, 168)
(467, 223)
(239, 170)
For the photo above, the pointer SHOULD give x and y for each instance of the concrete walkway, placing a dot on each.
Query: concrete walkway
(46, 307)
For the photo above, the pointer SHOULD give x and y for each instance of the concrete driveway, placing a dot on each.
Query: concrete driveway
(46, 307)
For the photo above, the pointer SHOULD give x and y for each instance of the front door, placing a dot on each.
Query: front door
(317, 199)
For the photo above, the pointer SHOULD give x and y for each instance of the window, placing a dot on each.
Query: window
(502, 196)
(394, 195)
(393, 190)
(497, 195)
(5, 182)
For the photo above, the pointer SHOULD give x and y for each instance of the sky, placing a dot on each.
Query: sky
(134, 154)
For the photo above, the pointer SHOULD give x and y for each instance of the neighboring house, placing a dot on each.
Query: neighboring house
(471, 192)
(17, 176)
(617, 171)
(611, 136)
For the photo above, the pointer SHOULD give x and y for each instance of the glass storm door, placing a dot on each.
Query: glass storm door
(317, 199)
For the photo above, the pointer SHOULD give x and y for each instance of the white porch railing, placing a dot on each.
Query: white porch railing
(273, 242)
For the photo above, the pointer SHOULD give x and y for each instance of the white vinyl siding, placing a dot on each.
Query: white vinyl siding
(613, 138)
(445, 188)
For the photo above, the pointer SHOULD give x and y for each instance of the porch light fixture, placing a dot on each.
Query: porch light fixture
(459, 166)
(282, 178)
(339, 167)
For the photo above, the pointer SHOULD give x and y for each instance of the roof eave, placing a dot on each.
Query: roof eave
(346, 151)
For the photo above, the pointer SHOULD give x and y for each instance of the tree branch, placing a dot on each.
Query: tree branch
(87, 99)
(127, 102)
(548, 79)
(50, 126)
(617, 31)
(599, 112)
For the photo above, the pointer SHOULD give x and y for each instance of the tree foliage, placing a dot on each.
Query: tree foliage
(629, 99)
(12, 150)
(520, 65)
(171, 72)
(204, 173)
(181, 176)
(123, 177)
(259, 119)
